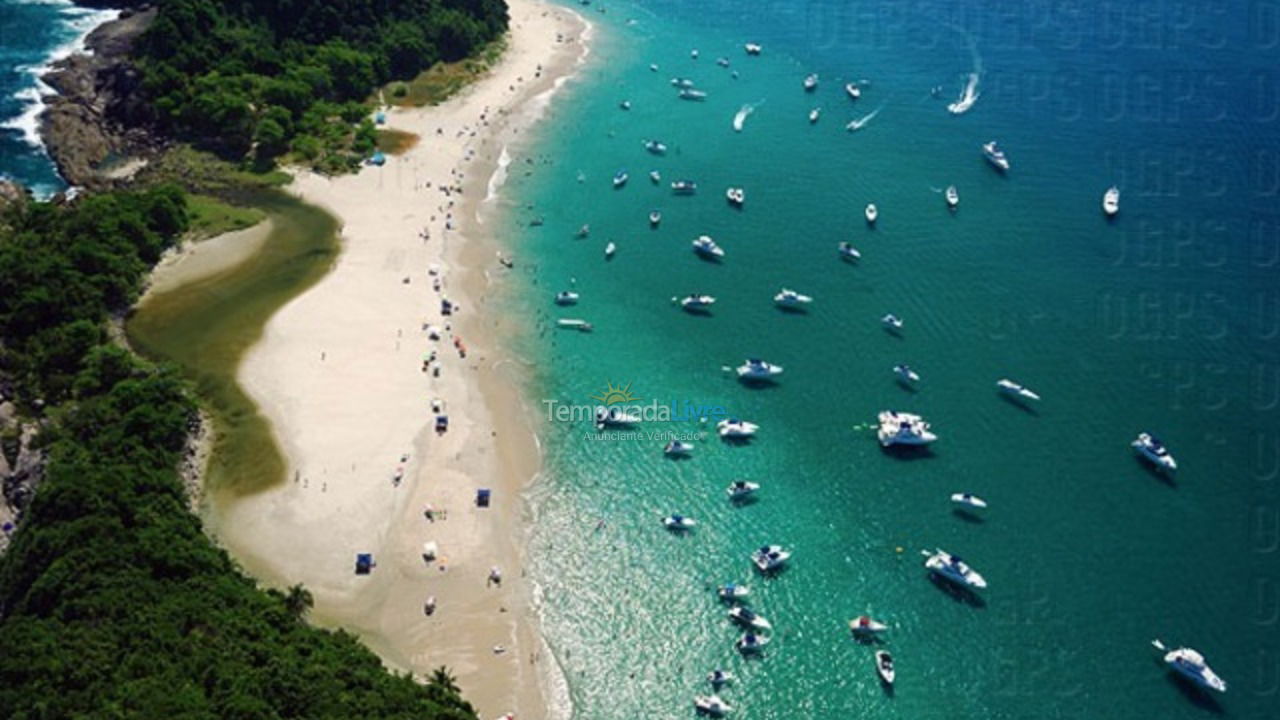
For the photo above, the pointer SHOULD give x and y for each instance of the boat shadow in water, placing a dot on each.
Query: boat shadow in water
(707, 258)
(735, 440)
(698, 312)
(1196, 695)
(968, 516)
(1016, 402)
(886, 687)
(908, 452)
(906, 385)
(1156, 471)
(958, 593)
(744, 501)
(792, 309)
(758, 383)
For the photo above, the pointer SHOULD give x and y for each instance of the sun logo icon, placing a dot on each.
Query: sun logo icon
(615, 394)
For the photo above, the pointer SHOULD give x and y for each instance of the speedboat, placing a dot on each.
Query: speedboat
(865, 625)
(696, 302)
(952, 568)
(745, 617)
(675, 448)
(655, 217)
(968, 500)
(995, 156)
(566, 297)
(871, 213)
(1191, 665)
(734, 428)
(735, 196)
(707, 247)
(684, 187)
(678, 522)
(1111, 201)
(770, 557)
(574, 324)
(711, 705)
(655, 147)
(620, 178)
(884, 666)
(751, 643)
(891, 322)
(853, 90)
(613, 415)
(719, 677)
(953, 196)
(1013, 389)
(752, 48)
(1150, 447)
(733, 591)
(848, 252)
(755, 369)
(813, 115)
(898, 428)
(810, 82)
(739, 489)
(692, 94)
(682, 82)
(790, 298)
(906, 373)
(609, 250)
(655, 176)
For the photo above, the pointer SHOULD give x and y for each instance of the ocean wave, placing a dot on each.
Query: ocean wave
(499, 176)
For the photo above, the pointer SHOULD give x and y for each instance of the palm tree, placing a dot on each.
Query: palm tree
(442, 678)
(298, 601)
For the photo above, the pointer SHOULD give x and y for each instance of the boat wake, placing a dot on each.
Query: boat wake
(967, 98)
(741, 116)
(862, 121)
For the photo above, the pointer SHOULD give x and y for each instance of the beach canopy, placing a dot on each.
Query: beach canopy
(364, 563)
(482, 497)
(430, 550)
(378, 158)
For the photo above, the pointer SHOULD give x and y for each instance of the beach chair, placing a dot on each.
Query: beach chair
(482, 497)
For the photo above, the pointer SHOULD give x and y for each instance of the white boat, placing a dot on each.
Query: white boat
(583, 231)
(790, 298)
(814, 114)
(655, 147)
(693, 53)
(751, 643)
(722, 61)
(770, 557)
(692, 94)
(848, 252)
(707, 247)
(653, 67)
(736, 196)
(733, 591)
(967, 98)
(1192, 665)
(682, 82)
(865, 625)
(574, 324)
(655, 217)
(719, 677)
(995, 156)
(810, 82)
(1150, 447)
(968, 500)
(734, 428)
(675, 448)
(566, 297)
(620, 178)
(756, 369)
(952, 568)
(739, 489)
(609, 250)
(655, 176)
(1013, 389)
(884, 666)
(853, 90)
(752, 48)
(711, 705)
(695, 302)
(1111, 201)
(872, 213)
(748, 618)
(679, 522)
(899, 428)
(953, 196)
(891, 322)
(906, 373)
(684, 187)
(614, 415)
(625, 104)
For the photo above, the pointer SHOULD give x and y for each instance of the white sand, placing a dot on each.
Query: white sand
(339, 374)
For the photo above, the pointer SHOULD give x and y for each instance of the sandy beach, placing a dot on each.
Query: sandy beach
(352, 382)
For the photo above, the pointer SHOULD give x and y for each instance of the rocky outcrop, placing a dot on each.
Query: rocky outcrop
(11, 194)
(99, 120)
(21, 468)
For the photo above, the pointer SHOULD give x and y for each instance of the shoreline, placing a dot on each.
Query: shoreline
(338, 375)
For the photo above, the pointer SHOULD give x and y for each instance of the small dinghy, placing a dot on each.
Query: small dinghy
(711, 705)
(609, 250)
(751, 643)
(675, 448)
(655, 217)
(1111, 201)
(745, 616)
(567, 297)
(741, 489)
(625, 104)
(872, 213)
(719, 678)
(655, 176)
(906, 374)
(891, 322)
(732, 592)
(620, 178)
(678, 522)
(848, 252)
(865, 625)
(953, 197)
(884, 666)
(813, 115)
(810, 82)
(968, 500)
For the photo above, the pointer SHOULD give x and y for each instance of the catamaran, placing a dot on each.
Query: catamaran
(1192, 665)
(899, 428)
(1111, 201)
(790, 298)
(707, 247)
(739, 489)
(1150, 447)
(1013, 389)
(566, 297)
(733, 428)
(756, 369)
(995, 156)
(748, 618)
(770, 557)
(952, 568)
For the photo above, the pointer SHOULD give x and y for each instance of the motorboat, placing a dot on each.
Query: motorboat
(995, 156)
(676, 448)
(791, 299)
(884, 666)
(722, 61)
(609, 250)
(1150, 447)
(1111, 201)
(1192, 665)
(751, 643)
(865, 625)
(620, 178)
(684, 187)
(719, 677)
(695, 302)
(625, 104)
(953, 196)
(872, 213)
(678, 522)
(733, 591)
(653, 67)
(692, 94)
(575, 324)
(655, 147)
(810, 82)
(740, 489)
(736, 196)
(655, 176)
(891, 322)
(756, 369)
(681, 82)
(752, 48)
(952, 568)
(733, 428)
(615, 416)
(566, 297)
(711, 705)
(848, 252)
(655, 217)
(707, 247)
(1013, 389)
(853, 90)
(899, 428)
(814, 114)
(906, 373)
(746, 617)
(693, 53)
(968, 500)
(770, 557)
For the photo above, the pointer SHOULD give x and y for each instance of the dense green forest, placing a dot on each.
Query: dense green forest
(277, 76)
(113, 603)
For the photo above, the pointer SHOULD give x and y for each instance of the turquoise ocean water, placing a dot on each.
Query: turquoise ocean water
(1165, 320)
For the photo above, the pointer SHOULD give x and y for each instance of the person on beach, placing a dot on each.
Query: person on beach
(495, 576)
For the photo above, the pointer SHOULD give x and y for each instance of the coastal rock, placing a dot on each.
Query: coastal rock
(11, 193)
